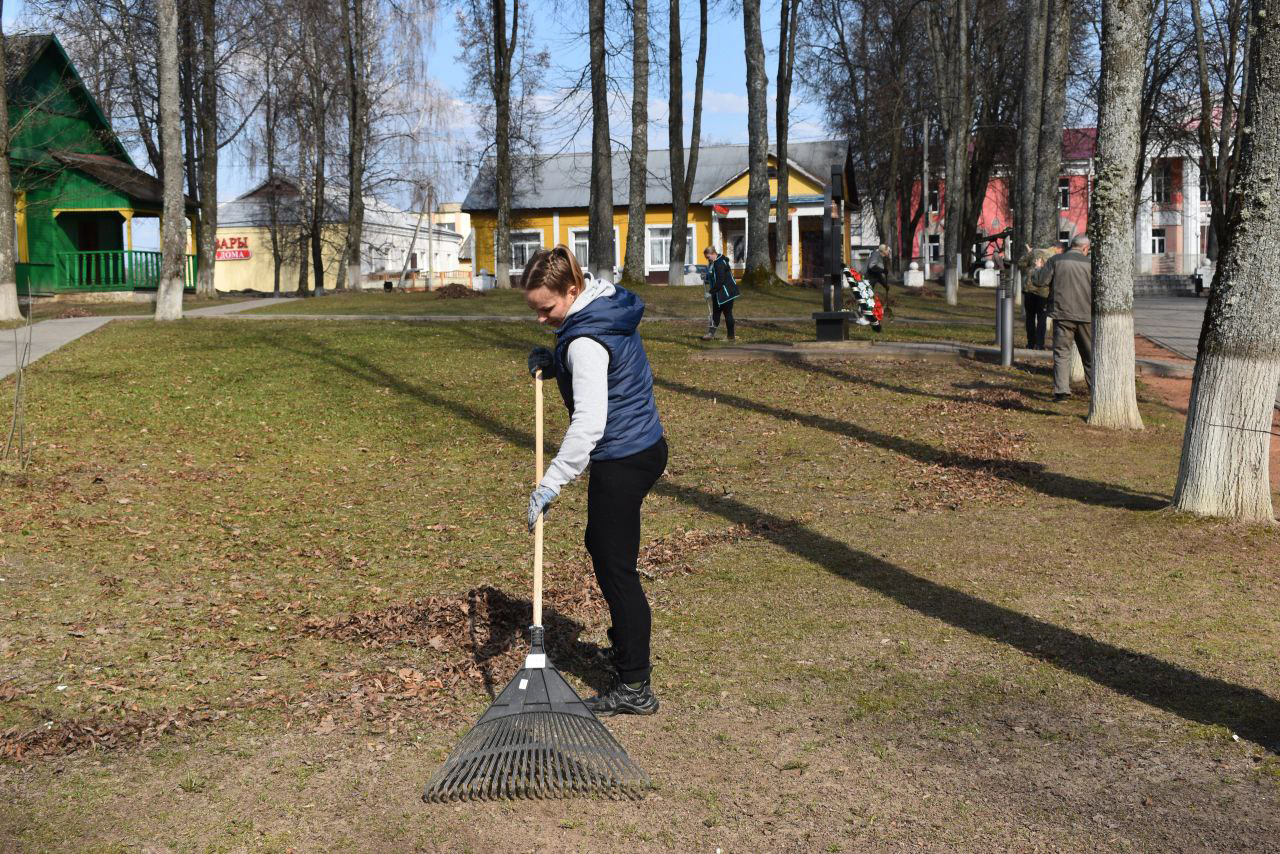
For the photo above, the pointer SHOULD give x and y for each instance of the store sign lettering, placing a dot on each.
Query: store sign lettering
(232, 249)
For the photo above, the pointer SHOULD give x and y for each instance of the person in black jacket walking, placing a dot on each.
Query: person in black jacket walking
(722, 291)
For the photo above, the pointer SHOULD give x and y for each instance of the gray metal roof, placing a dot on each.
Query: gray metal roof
(564, 180)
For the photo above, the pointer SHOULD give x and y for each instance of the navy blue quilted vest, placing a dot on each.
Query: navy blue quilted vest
(632, 424)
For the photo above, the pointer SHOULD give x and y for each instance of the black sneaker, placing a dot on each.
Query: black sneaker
(1058, 397)
(622, 700)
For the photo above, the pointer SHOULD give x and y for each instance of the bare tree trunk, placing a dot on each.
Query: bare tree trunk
(634, 263)
(1036, 21)
(270, 113)
(9, 308)
(354, 48)
(789, 11)
(304, 284)
(682, 177)
(207, 233)
(948, 29)
(173, 225)
(759, 267)
(1225, 466)
(602, 252)
(1054, 93)
(504, 48)
(1125, 28)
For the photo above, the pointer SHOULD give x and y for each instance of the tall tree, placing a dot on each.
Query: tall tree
(682, 175)
(602, 252)
(759, 267)
(207, 119)
(1125, 26)
(634, 263)
(789, 11)
(9, 308)
(1035, 25)
(173, 223)
(948, 23)
(1225, 466)
(355, 55)
(1052, 113)
(1218, 133)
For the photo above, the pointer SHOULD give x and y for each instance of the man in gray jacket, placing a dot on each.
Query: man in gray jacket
(1070, 279)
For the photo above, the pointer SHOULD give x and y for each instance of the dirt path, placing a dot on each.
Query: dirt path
(1176, 394)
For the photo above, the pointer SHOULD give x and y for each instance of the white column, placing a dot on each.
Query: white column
(715, 231)
(1142, 225)
(1190, 214)
(795, 246)
(555, 229)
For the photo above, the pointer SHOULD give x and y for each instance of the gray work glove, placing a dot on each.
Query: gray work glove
(539, 500)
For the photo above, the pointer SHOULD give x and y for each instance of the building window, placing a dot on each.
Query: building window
(1064, 239)
(1204, 185)
(660, 247)
(1157, 241)
(1064, 194)
(933, 200)
(1162, 184)
(523, 245)
(581, 246)
(935, 247)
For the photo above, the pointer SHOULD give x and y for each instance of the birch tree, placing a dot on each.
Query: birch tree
(602, 250)
(9, 308)
(789, 11)
(634, 261)
(682, 174)
(759, 267)
(173, 224)
(1225, 466)
(1125, 25)
(355, 61)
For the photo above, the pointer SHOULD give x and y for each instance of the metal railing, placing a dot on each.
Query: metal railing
(115, 270)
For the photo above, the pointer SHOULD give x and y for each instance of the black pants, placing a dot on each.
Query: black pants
(615, 491)
(727, 311)
(1036, 310)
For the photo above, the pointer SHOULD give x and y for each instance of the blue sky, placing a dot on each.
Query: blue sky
(558, 26)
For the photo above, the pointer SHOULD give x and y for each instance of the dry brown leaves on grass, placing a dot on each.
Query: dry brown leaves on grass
(119, 726)
(977, 465)
(472, 640)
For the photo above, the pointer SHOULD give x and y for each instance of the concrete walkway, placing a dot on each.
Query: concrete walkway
(1173, 322)
(46, 336)
(49, 335)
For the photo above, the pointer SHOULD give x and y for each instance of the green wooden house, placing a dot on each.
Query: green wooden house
(76, 190)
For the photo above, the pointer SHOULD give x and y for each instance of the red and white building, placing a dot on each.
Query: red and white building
(1170, 229)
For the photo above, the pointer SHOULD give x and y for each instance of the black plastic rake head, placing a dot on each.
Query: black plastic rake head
(537, 740)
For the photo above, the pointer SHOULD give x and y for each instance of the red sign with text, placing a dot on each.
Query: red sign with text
(232, 249)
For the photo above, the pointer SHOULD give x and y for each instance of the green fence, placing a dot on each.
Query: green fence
(86, 272)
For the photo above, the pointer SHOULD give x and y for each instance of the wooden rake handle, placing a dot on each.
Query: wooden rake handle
(537, 478)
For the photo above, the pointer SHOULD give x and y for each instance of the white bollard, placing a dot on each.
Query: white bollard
(913, 277)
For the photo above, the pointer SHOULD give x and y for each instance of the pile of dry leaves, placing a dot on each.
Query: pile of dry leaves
(457, 291)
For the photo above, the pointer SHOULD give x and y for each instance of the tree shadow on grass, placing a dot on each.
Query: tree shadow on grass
(1248, 712)
(844, 376)
(1032, 475)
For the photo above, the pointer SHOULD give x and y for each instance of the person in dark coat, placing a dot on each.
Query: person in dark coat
(1069, 277)
(1035, 296)
(605, 380)
(723, 291)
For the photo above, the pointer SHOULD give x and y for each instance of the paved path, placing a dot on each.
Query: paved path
(233, 307)
(49, 335)
(1173, 322)
(46, 336)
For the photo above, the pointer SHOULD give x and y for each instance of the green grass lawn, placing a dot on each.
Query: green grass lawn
(257, 578)
(976, 304)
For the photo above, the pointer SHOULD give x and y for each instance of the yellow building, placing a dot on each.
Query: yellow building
(550, 207)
